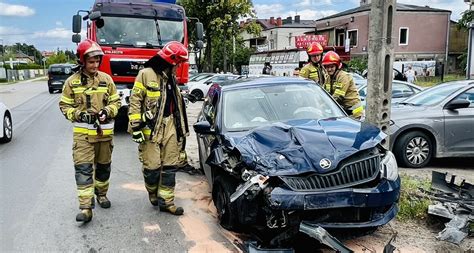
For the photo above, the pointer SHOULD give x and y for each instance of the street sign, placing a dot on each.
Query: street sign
(304, 40)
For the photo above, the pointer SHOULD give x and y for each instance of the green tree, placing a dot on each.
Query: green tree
(463, 23)
(219, 19)
(59, 57)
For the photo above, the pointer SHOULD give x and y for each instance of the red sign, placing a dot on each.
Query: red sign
(304, 40)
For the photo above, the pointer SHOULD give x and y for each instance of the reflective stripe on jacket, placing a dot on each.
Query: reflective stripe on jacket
(343, 89)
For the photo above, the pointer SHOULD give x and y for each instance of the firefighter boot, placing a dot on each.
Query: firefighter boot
(176, 210)
(84, 216)
(103, 201)
(153, 198)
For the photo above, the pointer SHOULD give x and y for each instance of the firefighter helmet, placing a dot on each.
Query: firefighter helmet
(88, 48)
(330, 58)
(314, 49)
(174, 53)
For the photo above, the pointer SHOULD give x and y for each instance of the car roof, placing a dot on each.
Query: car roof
(262, 81)
(62, 65)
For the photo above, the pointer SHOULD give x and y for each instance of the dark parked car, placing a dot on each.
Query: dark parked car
(57, 74)
(279, 151)
(437, 122)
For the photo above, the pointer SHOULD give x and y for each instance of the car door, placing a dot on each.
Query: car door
(459, 127)
(208, 113)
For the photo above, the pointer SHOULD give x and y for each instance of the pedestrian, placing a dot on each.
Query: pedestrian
(341, 86)
(410, 75)
(296, 72)
(90, 100)
(313, 70)
(158, 122)
(267, 69)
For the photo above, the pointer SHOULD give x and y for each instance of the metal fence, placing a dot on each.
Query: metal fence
(12, 75)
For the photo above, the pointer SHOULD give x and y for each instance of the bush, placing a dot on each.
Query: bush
(357, 64)
(24, 66)
(413, 205)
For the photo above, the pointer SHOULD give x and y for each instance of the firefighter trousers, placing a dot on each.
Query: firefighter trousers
(161, 162)
(92, 165)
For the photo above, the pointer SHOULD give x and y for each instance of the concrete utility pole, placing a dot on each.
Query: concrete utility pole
(380, 69)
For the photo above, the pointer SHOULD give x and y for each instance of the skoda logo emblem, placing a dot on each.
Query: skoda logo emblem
(325, 163)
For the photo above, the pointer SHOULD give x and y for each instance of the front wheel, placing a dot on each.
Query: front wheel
(223, 187)
(414, 149)
(51, 90)
(197, 94)
(7, 129)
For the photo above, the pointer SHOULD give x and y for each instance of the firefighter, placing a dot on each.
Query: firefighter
(340, 85)
(158, 122)
(90, 100)
(313, 70)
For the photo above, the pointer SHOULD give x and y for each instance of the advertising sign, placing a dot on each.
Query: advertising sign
(304, 40)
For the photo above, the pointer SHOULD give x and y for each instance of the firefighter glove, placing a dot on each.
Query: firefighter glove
(102, 115)
(86, 117)
(138, 137)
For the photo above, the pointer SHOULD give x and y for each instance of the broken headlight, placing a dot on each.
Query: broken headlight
(389, 167)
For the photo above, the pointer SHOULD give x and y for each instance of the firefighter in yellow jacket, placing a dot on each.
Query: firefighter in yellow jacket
(158, 123)
(90, 100)
(341, 86)
(313, 70)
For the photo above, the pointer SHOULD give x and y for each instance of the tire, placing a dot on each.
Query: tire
(51, 90)
(414, 149)
(7, 129)
(223, 187)
(197, 94)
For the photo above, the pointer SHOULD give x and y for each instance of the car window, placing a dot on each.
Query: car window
(60, 70)
(200, 77)
(401, 90)
(467, 95)
(433, 95)
(363, 92)
(248, 108)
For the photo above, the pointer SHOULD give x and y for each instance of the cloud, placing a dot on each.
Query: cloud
(15, 10)
(59, 23)
(278, 10)
(56, 33)
(313, 3)
(268, 10)
(456, 9)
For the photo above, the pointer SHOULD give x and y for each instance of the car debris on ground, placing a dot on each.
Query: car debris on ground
(454, 202)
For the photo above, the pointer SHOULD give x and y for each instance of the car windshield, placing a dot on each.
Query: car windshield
(433, 95)
(258, 106)
(60, 70)
(200, 77)
(123, 31)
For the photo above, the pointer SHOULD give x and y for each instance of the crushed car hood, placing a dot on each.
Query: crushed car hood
(301, 146)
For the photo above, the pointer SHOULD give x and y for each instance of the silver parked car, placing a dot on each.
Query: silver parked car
(400, 91)
(437, 122)
(6, 132)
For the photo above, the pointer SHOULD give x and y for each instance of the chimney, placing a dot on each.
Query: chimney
(272, 20)
(297, 19)
(288, 20)
(279, 22)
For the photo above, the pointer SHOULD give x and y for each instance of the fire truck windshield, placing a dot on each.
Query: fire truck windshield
(139, 32)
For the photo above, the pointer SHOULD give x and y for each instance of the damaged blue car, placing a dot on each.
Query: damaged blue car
(278, 152)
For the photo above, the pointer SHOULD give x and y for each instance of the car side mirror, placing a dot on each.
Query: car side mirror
(203, 127)
(207, 82)
(457, 104)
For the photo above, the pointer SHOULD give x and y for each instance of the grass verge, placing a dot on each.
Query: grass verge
(412, 204)
(431, 80)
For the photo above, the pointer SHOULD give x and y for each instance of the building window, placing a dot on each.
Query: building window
(403, 36)
(352, 37)
(340, 39)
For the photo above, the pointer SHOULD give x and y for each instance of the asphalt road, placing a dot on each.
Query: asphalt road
(39, 202)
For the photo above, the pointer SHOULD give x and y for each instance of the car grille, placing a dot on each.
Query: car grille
(350, 174)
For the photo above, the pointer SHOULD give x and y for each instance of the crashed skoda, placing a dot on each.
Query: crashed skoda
(280, 151)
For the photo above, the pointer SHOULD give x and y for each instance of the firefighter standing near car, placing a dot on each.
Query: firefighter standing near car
(158, 122)
(313, 70)
(341, 86)
(90, 100)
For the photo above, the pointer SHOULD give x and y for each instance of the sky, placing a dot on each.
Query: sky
(46, 24)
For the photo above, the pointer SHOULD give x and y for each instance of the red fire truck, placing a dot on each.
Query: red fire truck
(132, 31)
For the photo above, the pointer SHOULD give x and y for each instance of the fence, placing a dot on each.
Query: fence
(11, 75)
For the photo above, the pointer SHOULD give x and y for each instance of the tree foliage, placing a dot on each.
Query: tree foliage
(219, 19)
(466, 18)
